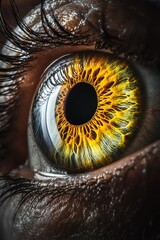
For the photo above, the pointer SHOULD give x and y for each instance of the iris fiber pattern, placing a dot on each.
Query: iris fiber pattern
(108, 133)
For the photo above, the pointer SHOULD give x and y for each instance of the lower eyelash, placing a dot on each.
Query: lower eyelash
(36, 190)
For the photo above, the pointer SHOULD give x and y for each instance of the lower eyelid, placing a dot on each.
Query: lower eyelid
(103, 190)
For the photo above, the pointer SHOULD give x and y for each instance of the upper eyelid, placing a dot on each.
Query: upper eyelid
(32, 40)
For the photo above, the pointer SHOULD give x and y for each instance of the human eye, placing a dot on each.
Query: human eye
(116, 201)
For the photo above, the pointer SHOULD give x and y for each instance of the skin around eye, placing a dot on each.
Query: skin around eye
(120, 201)
(123, 20)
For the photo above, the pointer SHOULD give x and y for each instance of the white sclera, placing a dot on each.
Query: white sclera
(50, 117)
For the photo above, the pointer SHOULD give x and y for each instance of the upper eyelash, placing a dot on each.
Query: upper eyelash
(25, 47)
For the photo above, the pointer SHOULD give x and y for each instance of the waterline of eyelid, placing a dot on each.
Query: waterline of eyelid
(118, 168)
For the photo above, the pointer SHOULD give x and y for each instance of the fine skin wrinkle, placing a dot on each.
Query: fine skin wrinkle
(119, 201)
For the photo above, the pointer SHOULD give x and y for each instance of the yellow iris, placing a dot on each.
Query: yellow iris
(100, 140)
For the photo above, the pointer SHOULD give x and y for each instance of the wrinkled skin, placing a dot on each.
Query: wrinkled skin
(119, 201)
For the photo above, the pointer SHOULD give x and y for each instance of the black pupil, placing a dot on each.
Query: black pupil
(81, 103)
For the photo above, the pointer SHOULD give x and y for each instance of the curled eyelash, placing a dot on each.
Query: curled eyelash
(23, 47)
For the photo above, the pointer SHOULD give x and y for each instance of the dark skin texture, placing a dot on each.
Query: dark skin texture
(119, 201)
